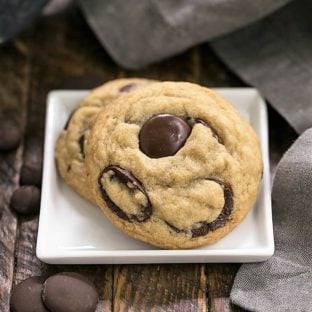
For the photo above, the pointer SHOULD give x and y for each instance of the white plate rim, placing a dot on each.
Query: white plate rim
(160, 256)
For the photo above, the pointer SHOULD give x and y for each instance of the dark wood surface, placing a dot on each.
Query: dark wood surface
(61, 52)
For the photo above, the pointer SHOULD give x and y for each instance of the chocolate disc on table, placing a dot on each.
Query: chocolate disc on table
(10, 135)
(31, 174)
(26, 200)
(69, 292)
(163, 135)
(26, 296)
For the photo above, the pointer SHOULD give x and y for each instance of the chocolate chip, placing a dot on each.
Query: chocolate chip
(227, 208)
(128, 87)
(26, 200)
(202, 228)
(163, 135)
(26, 296)
(220, 221)
(81, 145)
(133, 184)
(69, 292)
(10, 135)
(31, 174)
(69, 119)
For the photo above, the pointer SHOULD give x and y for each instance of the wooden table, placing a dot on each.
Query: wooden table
(62, 52)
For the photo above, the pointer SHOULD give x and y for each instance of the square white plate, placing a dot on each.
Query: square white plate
(73, 231)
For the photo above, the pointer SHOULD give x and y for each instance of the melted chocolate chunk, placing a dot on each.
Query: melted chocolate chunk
(223, 216)
(128, 87)
(202, 228)
(81, 145)
(192, 121)
(132, 183)
(163, 135)
(69, 292)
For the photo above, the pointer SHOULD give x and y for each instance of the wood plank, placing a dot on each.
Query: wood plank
(220, 279)
(60, 58)
(13, 76)
(172, 287)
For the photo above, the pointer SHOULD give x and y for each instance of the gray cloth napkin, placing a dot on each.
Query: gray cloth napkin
(269, 45)
(16, 14)
(272, 52)
(137, 33)
(284, 282)
(275, 55)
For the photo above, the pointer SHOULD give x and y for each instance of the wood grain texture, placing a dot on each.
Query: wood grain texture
(220, 279)
(14, 78)
(58, 60)
(175, 287)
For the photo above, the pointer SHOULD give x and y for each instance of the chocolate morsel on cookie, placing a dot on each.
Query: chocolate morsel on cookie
(26, 296)
(69, 292)
(26, 200)
(133, 185)
(10, 135)
(128, 87)
(163, 135)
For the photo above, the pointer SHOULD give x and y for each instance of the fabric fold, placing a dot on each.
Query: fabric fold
(274, 55)
(284, 282)
(138, 33)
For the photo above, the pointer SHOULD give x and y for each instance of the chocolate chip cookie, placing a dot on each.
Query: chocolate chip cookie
(174, 165)
(70, 146)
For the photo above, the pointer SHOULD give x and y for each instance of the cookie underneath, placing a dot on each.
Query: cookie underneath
(70, 146)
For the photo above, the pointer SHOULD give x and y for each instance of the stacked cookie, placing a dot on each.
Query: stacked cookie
(70, 147)
(170, 163)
